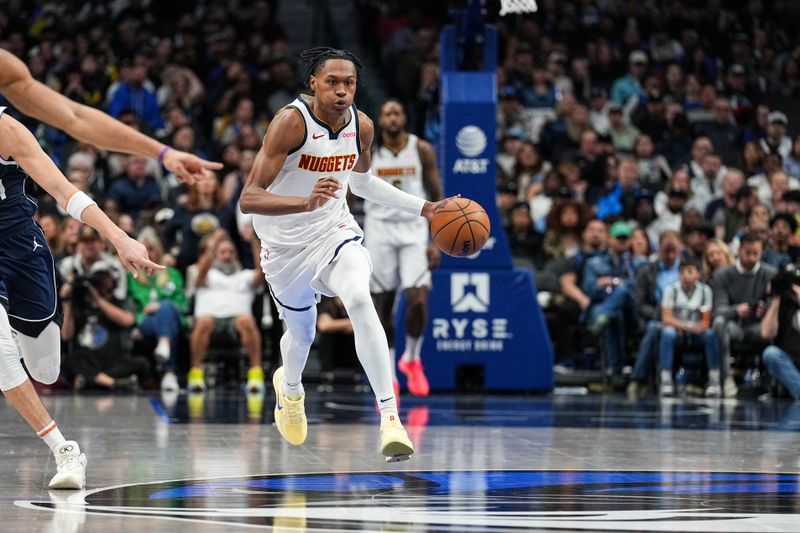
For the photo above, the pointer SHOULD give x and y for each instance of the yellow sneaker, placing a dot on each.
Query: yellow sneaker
(255, 380)
(196, 380)
(395, 444)
(290, 415)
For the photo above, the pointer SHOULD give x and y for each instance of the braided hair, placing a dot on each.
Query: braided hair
(314, 58)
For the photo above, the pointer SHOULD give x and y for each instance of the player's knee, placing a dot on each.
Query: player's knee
(42, 354)
(46, 372)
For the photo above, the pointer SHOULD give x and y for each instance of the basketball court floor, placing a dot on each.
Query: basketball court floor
(499, 464)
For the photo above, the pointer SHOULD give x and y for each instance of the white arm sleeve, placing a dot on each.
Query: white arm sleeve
(374, 189)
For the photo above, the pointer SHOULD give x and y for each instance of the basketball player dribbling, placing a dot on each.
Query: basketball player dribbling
(27, 275)
(314, 149)
(400, 239)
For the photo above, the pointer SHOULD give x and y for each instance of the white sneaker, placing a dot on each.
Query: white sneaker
(71, 466)
(713, 390)
(162, 352)
(169, 382)
(667, 389)
(730, 389)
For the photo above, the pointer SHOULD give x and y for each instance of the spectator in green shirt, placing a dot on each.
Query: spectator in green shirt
(160, 308)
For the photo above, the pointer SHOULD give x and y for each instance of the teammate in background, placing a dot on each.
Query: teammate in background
(314, 148)
(400, 240)
(28, 301)
(33, 294)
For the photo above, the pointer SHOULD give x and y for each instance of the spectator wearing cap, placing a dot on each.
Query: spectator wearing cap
(650, 118)
(507, 155)
(780, 252)
(776, 141)
(652, 279)
(671, 217)
(629, 86)
(791, 163)
(707, 185)
(623, 134)
(732, 181)
(511, 113)
(607, 281)
(136, 190)
(90, 257)
(722, 131)
(599, 105)
(524, 241)
(653, 168)
(740, 291)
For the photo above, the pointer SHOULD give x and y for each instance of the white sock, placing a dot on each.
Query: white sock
(52, 436)
(666, 376)
(162, 350)
(388, 405)
(413, 348)
(292, 391)
(301, 326)
(349, 277)
(713, 376)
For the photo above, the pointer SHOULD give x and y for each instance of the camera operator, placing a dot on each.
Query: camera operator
(99, 326)
(781, 325)
(90, 255)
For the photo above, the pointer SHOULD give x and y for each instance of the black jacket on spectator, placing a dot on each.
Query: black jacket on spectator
(644, 294)
(788, 337)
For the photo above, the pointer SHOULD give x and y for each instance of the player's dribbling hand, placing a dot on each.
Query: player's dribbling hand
(324, 190)
(186, 166)
(134, 258)
(430, 207)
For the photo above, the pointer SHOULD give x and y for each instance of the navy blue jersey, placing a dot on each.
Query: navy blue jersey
(17, 207)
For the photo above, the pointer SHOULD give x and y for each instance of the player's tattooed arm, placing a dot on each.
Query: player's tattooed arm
(285, 133)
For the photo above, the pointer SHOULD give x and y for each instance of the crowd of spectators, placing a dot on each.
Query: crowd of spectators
(645, 171)
(638, 142)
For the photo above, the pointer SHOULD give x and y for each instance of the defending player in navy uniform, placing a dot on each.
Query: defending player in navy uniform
(27, 289)
(311, 245)
(399, 240)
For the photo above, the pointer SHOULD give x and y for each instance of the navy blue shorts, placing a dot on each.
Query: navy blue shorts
(28, 280)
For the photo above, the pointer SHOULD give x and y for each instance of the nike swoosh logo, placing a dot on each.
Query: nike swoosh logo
(280, 407)
(317, 136)
(386, 399)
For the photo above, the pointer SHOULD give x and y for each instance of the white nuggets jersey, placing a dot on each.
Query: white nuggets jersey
(402, 170)
(322, 153)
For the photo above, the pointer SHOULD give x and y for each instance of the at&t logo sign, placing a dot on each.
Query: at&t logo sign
(471, 142)
(470, 293)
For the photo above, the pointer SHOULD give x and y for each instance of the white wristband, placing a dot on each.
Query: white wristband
(77, 203)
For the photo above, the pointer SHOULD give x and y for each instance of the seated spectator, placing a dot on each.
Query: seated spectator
(243, 115)
(204, 213)
(696, 238)
(779, 252)
(680, 181)
(621, 200)
(791, 163)
(739, 302)
(132, 94)
(757, 223)
(553, 190)
(608, 280)
(628, 89)
(722, 131)
(136, 190)
(653, 168)
(779, 185)
(772, 163)
(732, 181)
(565, 224)
(707, 185)
(90, 257)
(644, 210)
(672, 217)
(716, 256)
(781, 327)
(160, 307)
(234, 182)
(640, 244)
(623, 134)
(223, 307)
(652, 279)
(729, 220)
(686, 315)
(776, 141)
(752, 159)
(524, 241)
(99, 327)
(52, 228)
(507, 156)
(529, 171)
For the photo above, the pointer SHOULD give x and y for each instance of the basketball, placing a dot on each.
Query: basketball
(460, 227)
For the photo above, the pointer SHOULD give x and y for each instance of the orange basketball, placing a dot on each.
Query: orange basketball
(460, 227)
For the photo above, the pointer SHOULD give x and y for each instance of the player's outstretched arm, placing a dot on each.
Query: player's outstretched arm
(18, 143)
(285, 133)
(367, 186)
(87, 124)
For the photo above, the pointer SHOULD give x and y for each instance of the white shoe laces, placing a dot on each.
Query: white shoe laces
(294, 411)
(66, 459)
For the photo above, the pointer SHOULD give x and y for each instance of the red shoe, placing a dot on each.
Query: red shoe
(417, 382)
